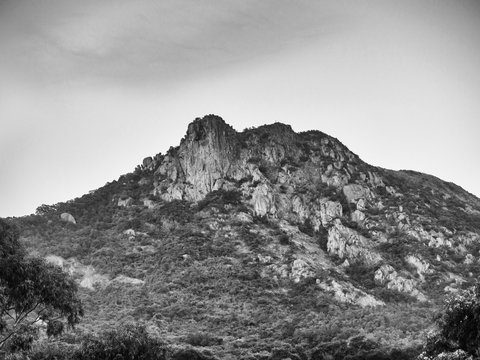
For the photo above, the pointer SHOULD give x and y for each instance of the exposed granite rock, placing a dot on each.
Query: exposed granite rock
(346, 243)
(469, 259)
(347, 293)
(388, 277)
(355, 192)
(129, 232)
(358, 216)
(144, 181)
(263, 200)
(301, 270)
(149, 203)
(374, 179)
(68, 218)
(128, 280)
(85, 275)
(207, 154)
(421, 266)
(147, 162)
(125, 202)
(330, 210)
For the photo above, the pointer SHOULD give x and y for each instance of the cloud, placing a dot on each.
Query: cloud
(149, 41)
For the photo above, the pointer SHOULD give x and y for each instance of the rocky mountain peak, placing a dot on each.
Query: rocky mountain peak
(210, 127)
(296, 219)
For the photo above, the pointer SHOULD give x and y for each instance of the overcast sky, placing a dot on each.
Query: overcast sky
(89, 88)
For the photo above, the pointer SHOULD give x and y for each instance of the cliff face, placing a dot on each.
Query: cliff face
(271, 164)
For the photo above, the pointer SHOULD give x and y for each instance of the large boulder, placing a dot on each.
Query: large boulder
(147, 162)
(263, 200)
(346, 243)
(421, 266)
(68, 218)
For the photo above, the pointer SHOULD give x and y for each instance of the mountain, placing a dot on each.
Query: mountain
(265, 244)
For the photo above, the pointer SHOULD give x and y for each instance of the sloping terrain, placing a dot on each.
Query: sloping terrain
(263, 243)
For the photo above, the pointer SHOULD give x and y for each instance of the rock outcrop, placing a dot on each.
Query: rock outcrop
(125, 202)
(388, 277)
(346, 243)
(347, 293)
(86, 275)
(68, 218)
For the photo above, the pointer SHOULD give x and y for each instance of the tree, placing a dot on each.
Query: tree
(32, 291)
(459, 327)
(460, 321)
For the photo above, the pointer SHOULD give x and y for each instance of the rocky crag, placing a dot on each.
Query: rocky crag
(312, 178)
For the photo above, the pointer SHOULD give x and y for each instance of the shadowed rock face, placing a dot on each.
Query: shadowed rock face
(207, 154)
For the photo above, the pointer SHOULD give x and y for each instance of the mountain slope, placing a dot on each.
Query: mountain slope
(264, 241)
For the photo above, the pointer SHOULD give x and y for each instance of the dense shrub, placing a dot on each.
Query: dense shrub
(460, 321)
(393, 296)
(131, 342)
(361, 274)
(178, 210)
(203, 339)
(220, 198)
(306, 227)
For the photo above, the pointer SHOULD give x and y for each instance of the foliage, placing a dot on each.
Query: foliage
(219, 199)
(361, 274)
(306, 227)
(178, 210)
(359, 348)
(31, 291)
(130, 342)
(460, 321)
(458, 327)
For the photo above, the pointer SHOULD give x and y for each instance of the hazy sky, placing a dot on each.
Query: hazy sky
(89, 88)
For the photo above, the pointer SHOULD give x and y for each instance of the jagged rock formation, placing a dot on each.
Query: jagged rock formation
(307, 178)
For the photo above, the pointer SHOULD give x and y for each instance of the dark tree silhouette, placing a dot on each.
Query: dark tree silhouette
(32, 291)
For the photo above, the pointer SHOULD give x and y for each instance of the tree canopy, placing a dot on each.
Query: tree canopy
(458, 335)
(32, 291)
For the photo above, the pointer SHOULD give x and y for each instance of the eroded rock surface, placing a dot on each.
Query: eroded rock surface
(387, 276)
(346, 243)
(347, 293)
